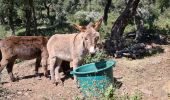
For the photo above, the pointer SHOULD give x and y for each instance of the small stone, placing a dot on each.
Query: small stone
(146, 91)
(9, 97)
(39, 78)
(8, 84)
(29, 90)
(26, 94)
(19, 92)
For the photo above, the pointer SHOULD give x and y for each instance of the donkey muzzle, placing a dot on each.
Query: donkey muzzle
(92, 50)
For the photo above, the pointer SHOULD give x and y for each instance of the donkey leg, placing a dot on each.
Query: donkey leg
(44, 60)
(37, 65)
(44, 65)
(4, 63)
(74, 64)
(52, 65)
(57, 74)
(9, 70)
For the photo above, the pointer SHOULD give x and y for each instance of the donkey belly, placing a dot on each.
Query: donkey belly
(27, 53)
(64, 56)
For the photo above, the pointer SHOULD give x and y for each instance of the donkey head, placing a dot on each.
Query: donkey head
(90, 35)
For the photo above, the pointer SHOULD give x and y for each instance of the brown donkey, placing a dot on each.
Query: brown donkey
(72, 47)
(26, 48)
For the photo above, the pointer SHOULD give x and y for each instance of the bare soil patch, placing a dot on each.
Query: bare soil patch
(149, 76)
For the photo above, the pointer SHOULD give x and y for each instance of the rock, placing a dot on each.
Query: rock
(29, 90)
(26, 94)
(26, 89)
(8, 84)
(8, 97)
(19, 92)
(146, 91)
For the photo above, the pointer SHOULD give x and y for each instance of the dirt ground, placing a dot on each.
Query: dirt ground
(149, 76)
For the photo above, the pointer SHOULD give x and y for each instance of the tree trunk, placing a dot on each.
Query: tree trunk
(139, 26)
(28, 17)
(2, 19)
(106, 10)
(10, 16)
(34, 16)
(47, 8)
(121, 22)
(48, 11)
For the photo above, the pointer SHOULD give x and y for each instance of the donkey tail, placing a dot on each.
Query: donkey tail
(0, 51)
(0, 57)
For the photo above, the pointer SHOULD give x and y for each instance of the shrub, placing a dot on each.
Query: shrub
(3, 31)
(99, 56)
(110, 93)
(4, 92)
(84, 17)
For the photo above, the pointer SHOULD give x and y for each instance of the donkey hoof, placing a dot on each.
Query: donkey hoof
(36, 75)
(13, 79)
(76, 84)
(46, 75)
(60, 83)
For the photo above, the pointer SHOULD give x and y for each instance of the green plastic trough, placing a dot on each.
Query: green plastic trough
(94, 78)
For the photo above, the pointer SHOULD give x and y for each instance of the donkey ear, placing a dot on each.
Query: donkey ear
(80, 28)
(98, 24)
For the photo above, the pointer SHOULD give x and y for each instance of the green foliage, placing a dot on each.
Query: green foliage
(84, 17)
(110, 93)
(18, 61)
(4, 92)
(99, 56)
(135, 96)
(163, 21)
(104, 32)
(129, 28)
(82, 12)
(3, 32)
(164, 4)
(106, 29)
